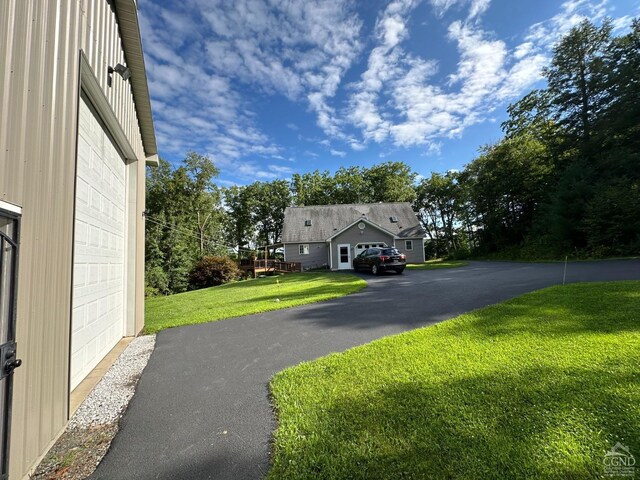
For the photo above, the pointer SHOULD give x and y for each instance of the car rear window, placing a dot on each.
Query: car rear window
(390, 251)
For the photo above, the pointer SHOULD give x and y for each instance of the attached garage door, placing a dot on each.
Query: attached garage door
(99, 247)
(361, 247)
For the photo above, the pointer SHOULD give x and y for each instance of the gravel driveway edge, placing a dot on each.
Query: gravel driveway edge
(89, 432)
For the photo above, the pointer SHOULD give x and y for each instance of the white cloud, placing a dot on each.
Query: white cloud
(441, 6)
(203, 56)
(481, 61)
(280, 169)
(200, 54)
(434, 148)
(357, 146)
(226, 183)
(523, 50)
(421, 111)
(383, 65)
(621, 24)
(396, 98)
(399, 97)
(299, 49)
(476, 7)
(545, 34)
(250, 171)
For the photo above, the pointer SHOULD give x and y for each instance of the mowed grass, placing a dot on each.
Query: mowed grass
(247, 297)
(540, 386)
(436, 264)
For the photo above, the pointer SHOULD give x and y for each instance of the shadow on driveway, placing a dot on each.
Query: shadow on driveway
(201, 409)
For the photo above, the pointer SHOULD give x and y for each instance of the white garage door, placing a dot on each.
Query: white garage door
(99, 247)
(361, 247)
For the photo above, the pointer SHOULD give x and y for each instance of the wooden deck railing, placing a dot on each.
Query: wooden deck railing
(270, 266)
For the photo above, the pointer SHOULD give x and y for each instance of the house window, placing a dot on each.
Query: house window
(408, 244)
(304, 249)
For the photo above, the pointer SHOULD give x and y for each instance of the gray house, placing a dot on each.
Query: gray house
(332, 235)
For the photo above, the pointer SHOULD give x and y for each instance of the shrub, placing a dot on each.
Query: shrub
(462, 253)
(151, 291)
(211, 271)
(156, 282)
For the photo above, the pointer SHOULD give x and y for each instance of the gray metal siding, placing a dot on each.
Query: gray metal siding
(317, 257)
(40, 43)
(354, 235)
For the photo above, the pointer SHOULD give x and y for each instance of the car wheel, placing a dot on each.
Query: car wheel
(400, 270)
(375, 270)
(355, 267)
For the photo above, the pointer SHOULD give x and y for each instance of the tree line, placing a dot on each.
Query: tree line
(189, 217)
(564, 179)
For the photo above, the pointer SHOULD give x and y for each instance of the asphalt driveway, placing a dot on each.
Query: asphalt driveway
(201, 409)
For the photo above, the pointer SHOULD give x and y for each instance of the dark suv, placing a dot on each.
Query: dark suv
(379, 260)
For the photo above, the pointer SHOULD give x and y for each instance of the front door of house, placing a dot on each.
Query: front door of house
(9, 223)
(344, 257)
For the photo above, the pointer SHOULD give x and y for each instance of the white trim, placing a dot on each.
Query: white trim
(153, 160)
(91, 93)
(393, 235)
(99, 108)
(405, 244)
(348, 245)
(92, 89)
(10, 207)
(330, 257)
(130, 226)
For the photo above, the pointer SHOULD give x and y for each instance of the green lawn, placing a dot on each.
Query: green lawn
(436, 264)
(538, 387)
(247, 297)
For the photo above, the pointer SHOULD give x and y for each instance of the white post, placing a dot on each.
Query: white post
(564, 275)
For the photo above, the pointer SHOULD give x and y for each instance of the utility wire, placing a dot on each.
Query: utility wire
(193, 234)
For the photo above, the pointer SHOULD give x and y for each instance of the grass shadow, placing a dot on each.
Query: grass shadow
(541, 386)
(563, 310)
(544, 423)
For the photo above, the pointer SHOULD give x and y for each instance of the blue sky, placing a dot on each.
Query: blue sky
(268, 88)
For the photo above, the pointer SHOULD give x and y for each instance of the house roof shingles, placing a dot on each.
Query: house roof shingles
(327, 220)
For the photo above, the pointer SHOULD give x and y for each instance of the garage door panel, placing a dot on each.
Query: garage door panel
(99, 247)
(87, 293)
(96, 329)
(106, 248)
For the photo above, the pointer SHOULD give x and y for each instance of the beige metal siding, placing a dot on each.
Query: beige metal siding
(40, 41)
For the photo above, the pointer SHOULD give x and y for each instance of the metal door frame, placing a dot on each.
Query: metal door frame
(8, 350)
